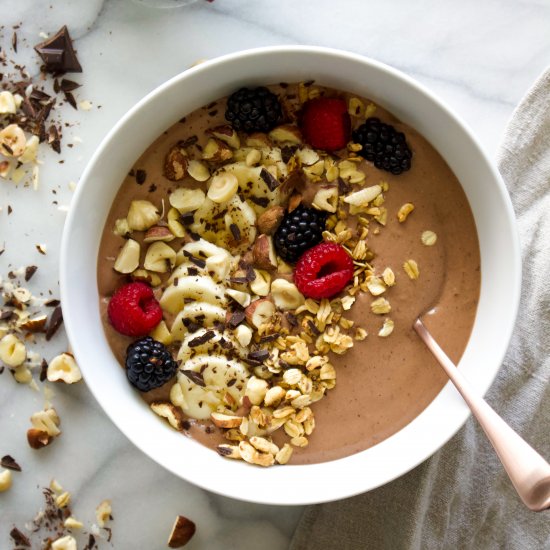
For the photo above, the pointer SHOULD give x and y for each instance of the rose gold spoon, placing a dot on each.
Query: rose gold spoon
(528, 471)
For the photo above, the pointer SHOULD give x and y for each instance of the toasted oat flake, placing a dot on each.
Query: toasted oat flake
(347, 302)
(360, 334)
(411, 269)
(428, 238)
(376, 286)
(404, 211)
(387, 328)
(388, 276)
(380, 306)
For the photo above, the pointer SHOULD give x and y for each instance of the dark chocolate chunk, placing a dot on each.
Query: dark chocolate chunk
(259, 355)
(19, 538)
(43, 370)
(55, 322)
(271, 181)
(235, 231)
(58, 53)
(197, 261)
(9, 463)
(269, 337)
(30, 271)
(53, 139)
(236, 319)
(14, 42)
(71, 100)
(54, 302)
(195, 377)
(141, 176)
(68, 85)
(260, 201)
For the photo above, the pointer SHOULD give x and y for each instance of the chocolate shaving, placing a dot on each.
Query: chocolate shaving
(14, 42)
(6, 315)
(292, 319)
(314, 329)
(287, 151)
(141, 176)
(271, 181)
(58, 53)
(55, 322)
(259, 355)
(269, 337)
(20, 538)
(197, 261)
(9, 463)
(190, 271)
(236, 319)
(195, 377)
(43, 370)
(7, 148)
(235, 231)
(343, 187)
(188, 142)
(260, 201)
(223, 451)
(238, 280)
(199, 340)
(91, 543)
(30, 271)
(54, 302)
(187, 218)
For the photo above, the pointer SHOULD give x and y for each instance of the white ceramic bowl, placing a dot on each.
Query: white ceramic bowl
(500, 268)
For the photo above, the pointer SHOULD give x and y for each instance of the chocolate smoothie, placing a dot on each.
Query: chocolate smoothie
(382, 382)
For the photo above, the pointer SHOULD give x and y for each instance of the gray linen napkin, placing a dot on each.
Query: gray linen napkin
(461, 497)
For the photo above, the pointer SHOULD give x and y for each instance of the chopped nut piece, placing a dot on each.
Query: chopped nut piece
(63, 368)
(243, 335)
(46, 421)
(216, 151)
(242, 298)
(173, 414)
(182, 532)
(411, 269)
(63, 499)
(252, 456)
(263, 253)
(158, 233)
(387, 328)
(187, 200)
(326, 199)
(159, 257)
(362, 197)
(175, 164)
(428, 238)
(64, 543)
(226, 134)
(142, 215)
(286, 295)
(198, 170)
(225, 420)
(5, 480)
(122, 229)
(380, 306)
(38, 438)
(360, 334)
(274, 396)
(260, 312)
(269, 221)
(103, 512)
(263, 445)
(12, 351)
(283, 456)
(261, 285)
(73, 523)
(229, 451)
(404, 211)
(286, 134)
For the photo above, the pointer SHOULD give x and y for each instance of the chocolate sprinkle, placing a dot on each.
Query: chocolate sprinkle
(43, 370)
(55, 322)
(58, 53)
(235, 231)
(9, 463)
(260, 201)
(141, 176)
(195, 377)
(259, 355)
(314, 329)
(197, 261)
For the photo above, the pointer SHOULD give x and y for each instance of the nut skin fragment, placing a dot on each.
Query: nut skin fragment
(175, 164)
(263, 253)
(182, 532)
(63, 368)
(269, 221)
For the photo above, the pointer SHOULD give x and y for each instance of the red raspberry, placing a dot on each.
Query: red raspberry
(133, 310)
(323, 271)
(325, 123)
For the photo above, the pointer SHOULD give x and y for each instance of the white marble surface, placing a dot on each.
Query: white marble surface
(480, 57)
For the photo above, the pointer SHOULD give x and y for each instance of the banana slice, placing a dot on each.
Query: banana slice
(197, 312)
(195, 287)
(223, 187)
(204, 249)
(201, 395)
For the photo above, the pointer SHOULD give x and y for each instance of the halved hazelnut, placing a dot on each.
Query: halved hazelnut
(35, 324)
(243, 334)
(12, 350)
(286, 295)
(258, 139)
(326, 199)
(242, 298)
(182, 532)
(226, 134)
(142, 215)
(264, 253)
(260, 312)
(187, 200)
(216, 151)
(158, 233)
(175, 164)
(287, 134)
(128, 257)
(160, 257)
(38, 438)
(63, 368)
(269, 221)
(261, 284)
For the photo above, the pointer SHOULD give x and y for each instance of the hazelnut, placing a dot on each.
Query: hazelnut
(264, 253)
(226, 134)
(182, 532)
(269, 221)
(142, 215)
(128, 257)
(175, 164)
(63, 368)
(216, 151)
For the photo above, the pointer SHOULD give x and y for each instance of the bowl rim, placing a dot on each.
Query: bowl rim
(460, 410)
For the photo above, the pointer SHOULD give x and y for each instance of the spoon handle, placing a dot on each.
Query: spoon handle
(527, 469)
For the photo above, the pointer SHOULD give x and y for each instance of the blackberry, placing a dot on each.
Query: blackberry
(383, 145)
(300, 230)
(253, 110)
(149, 364)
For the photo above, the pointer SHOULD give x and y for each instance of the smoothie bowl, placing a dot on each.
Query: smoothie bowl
(256, 238)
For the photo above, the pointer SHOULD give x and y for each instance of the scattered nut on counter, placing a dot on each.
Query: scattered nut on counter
(182, 532)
